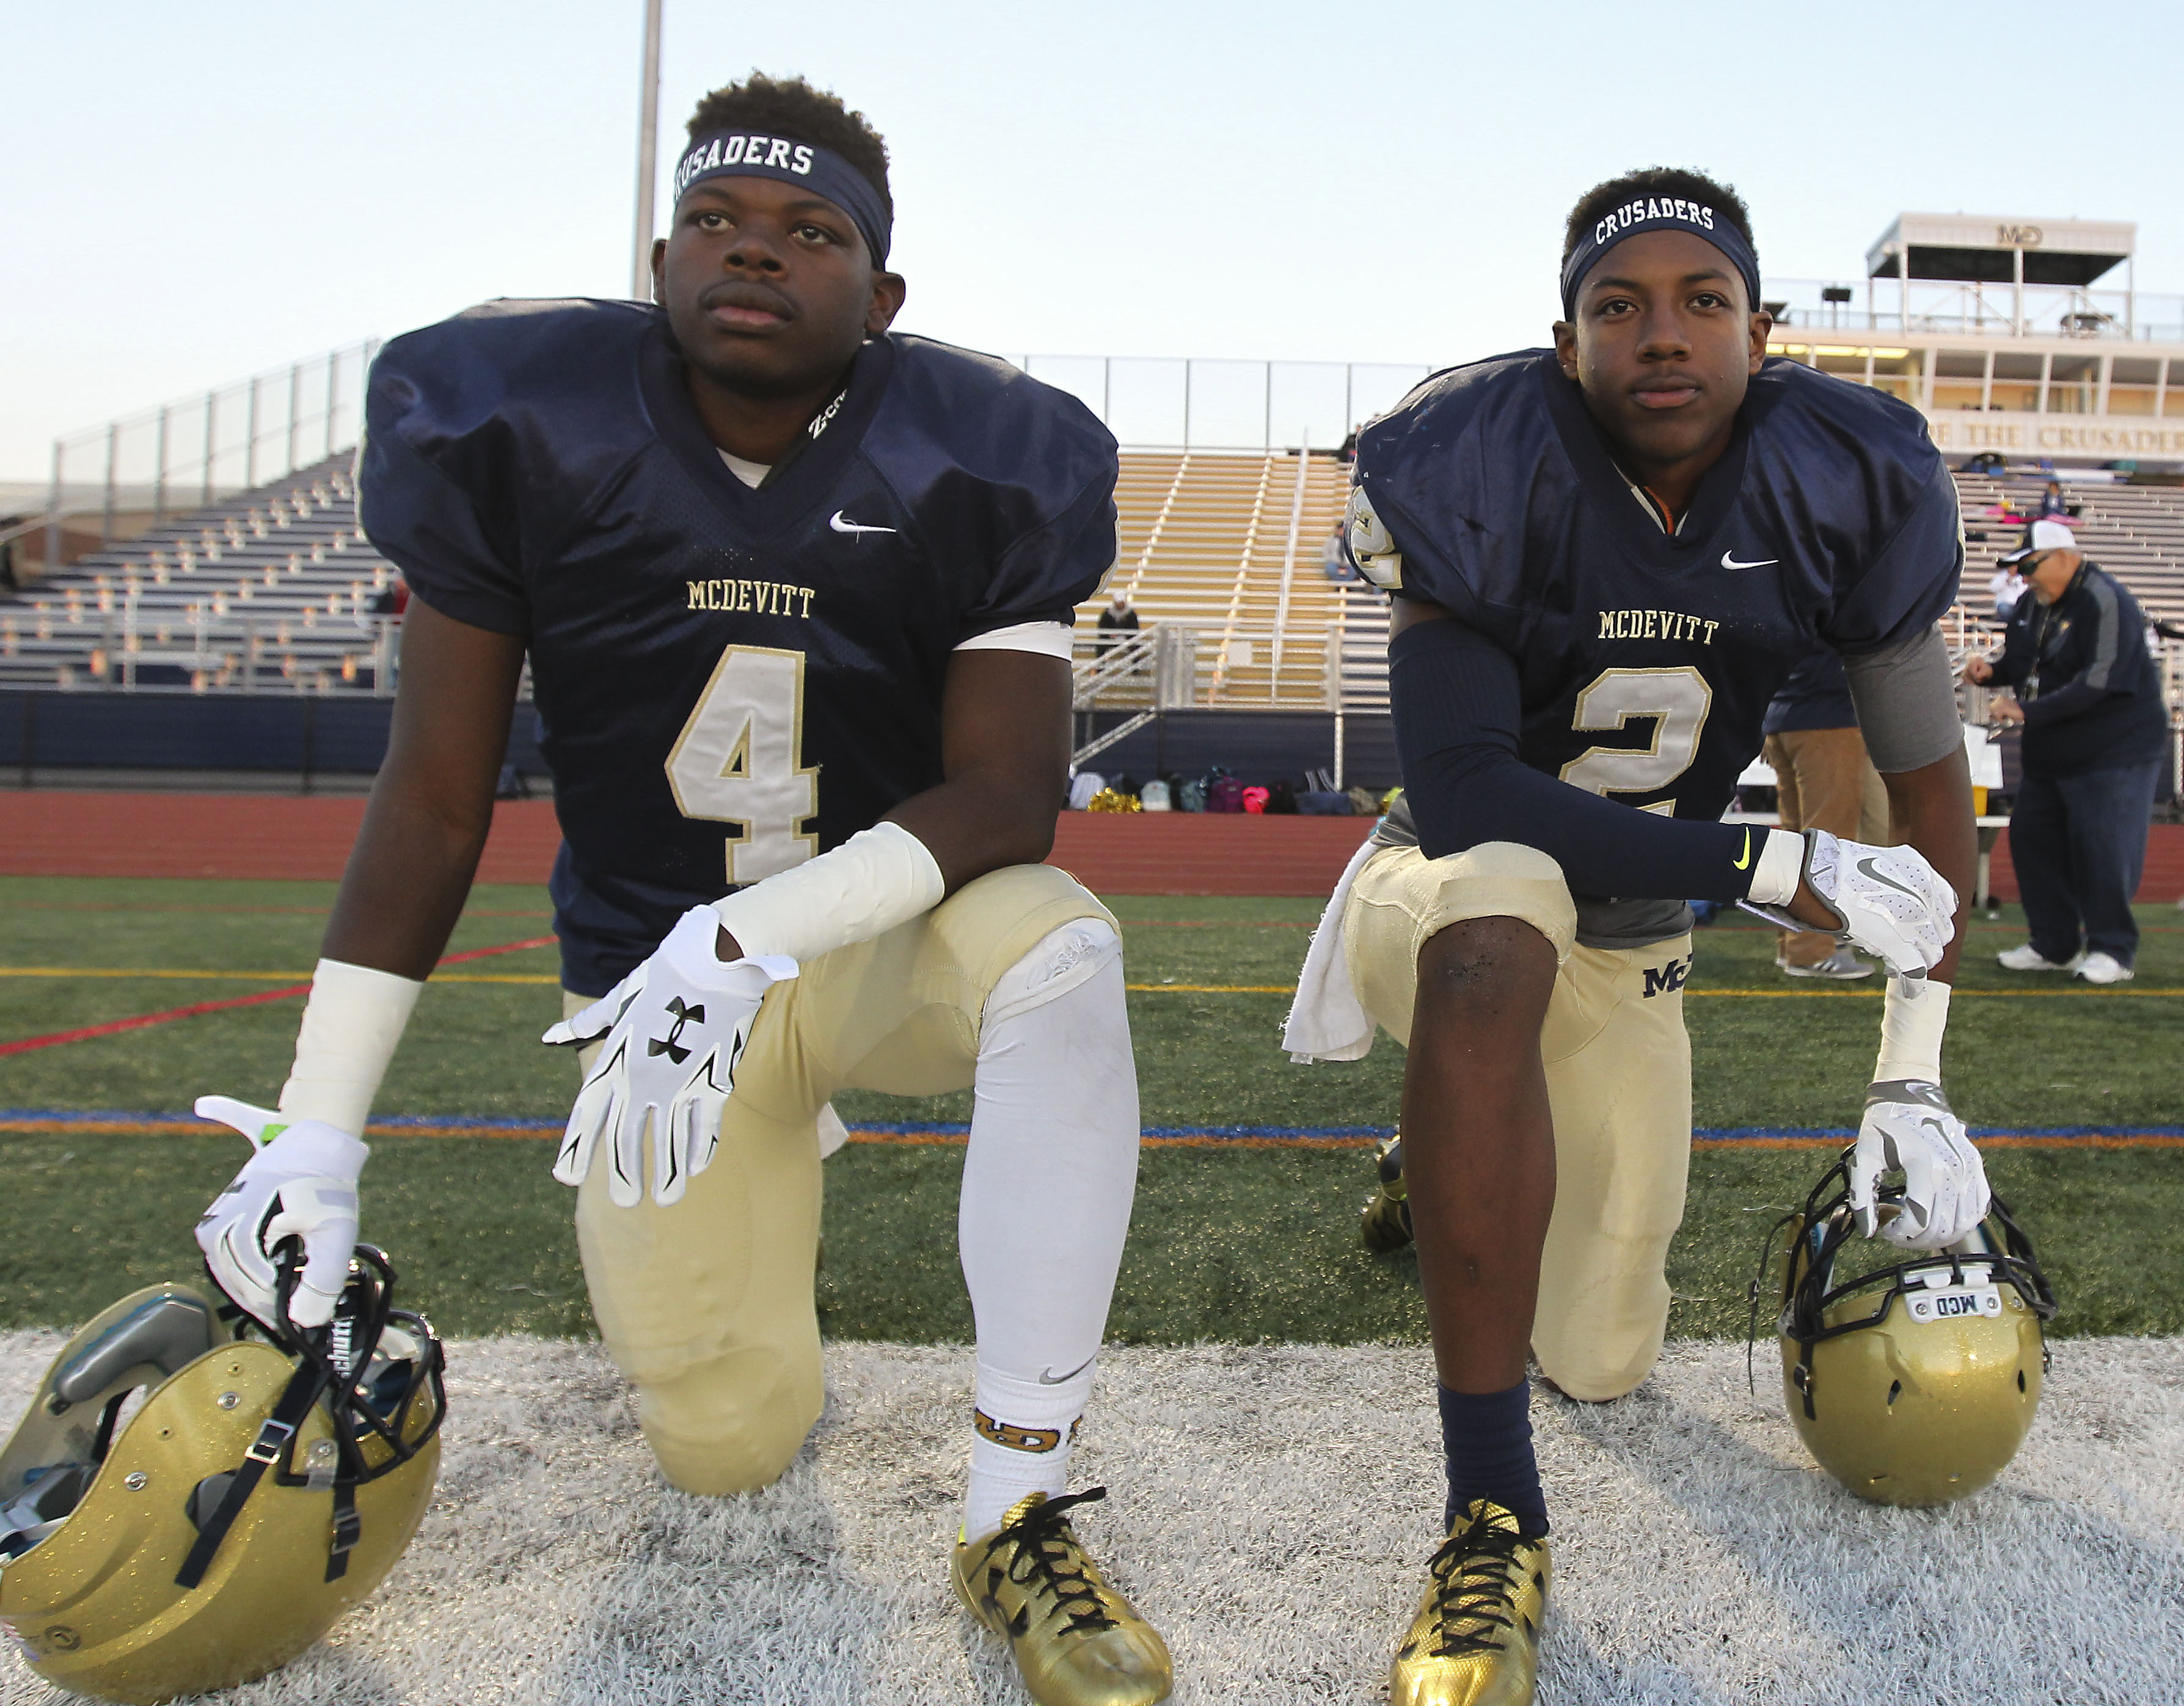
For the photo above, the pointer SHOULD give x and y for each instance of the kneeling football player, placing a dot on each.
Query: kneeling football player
(796, 595)
(1604, 558)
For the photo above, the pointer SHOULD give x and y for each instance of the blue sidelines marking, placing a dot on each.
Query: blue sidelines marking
(1736, 1133)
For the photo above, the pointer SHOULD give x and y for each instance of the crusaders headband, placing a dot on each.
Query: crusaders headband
(744, 154)
(1643, 213)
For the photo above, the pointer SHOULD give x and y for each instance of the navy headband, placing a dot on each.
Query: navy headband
(1642, 213)
(826, 174)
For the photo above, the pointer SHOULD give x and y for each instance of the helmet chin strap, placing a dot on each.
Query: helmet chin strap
(274, 1436)
(328, 1359)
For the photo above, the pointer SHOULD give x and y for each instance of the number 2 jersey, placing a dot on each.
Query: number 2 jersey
(1647, 651)
(727, 680)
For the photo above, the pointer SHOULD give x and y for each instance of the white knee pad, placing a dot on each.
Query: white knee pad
(1065, 960)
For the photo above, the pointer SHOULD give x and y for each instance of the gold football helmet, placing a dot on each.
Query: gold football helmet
(190, 1503)
(1913, 1382)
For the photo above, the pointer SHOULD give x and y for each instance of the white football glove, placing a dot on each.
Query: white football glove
(672, 1030)
(300, 1184)
(1892, 903)
(1908, 1125)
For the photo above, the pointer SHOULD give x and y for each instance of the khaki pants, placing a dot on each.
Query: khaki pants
(1618, 1070)
(1823, 780)
(707, 1305)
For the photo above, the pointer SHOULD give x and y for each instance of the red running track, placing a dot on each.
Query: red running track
(260, 836)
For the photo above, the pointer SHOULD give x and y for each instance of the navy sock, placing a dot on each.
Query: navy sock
(1487, 1437)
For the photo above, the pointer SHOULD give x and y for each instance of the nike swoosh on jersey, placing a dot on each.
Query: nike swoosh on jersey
(1728, 561)
(1865, 869)
(839, 525)
(1744, 853)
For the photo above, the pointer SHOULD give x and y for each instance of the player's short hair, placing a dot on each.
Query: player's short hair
(1656, 181)
(790, 108)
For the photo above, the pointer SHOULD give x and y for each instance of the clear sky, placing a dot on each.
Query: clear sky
(193, 192)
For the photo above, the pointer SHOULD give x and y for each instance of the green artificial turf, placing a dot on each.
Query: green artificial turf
(1228, 1243)
(1234, 1244)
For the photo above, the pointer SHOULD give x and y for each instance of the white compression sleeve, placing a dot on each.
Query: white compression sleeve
(879, 878)
(1914, 1015)
(351, 1024)
(1047, 1182)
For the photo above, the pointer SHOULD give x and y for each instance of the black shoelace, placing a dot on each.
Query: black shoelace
(1046, 1559)
(1475, 1577)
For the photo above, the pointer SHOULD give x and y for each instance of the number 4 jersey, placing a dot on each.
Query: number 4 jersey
(728, 680)
(1647, 646)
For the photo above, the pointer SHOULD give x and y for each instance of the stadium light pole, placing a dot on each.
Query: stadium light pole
(648, 155)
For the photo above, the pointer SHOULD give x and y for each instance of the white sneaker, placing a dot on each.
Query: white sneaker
(2029, 958)
(2103, 969)
(1842, 964)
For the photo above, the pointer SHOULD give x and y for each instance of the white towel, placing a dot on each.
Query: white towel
(1326, 1022)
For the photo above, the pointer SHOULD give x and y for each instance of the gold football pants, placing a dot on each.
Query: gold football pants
(706, 1306)
(1618, 1067)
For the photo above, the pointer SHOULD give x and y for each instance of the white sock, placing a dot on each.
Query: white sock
(1048, 1181)
(1028, 1451)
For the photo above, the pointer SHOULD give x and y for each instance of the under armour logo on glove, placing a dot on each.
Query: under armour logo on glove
(694, 1014)
(670, 1044)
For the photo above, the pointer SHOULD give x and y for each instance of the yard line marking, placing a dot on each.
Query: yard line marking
(140, 1022)
(266, 977)
(54, 1039)
(1228, 924)
(544, 978)
(147, 972)
(1962, 993)
(1212, 989)
(286, 912)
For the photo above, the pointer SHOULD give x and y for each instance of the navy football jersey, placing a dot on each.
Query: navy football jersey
(727, 680)
(1646, 658)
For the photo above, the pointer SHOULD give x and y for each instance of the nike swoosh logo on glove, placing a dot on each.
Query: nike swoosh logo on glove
(839, 525)
(1744, 856)
(1728, 561)
(1865, 869)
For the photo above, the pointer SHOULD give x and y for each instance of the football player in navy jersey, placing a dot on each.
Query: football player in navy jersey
(796, 594)
(1604, 558)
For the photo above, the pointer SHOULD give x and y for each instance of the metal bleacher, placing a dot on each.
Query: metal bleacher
(269, 591)
(272, 591)
(2135, 533)
(1228, 547)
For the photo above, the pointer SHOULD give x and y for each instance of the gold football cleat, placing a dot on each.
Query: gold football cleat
(1385, 1223)
(1475, 1641)
(1076, 1641)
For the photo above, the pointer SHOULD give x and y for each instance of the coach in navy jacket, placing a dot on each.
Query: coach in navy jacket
(2096, 735)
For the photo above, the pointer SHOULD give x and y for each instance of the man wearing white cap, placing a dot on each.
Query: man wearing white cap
(2096, 733)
